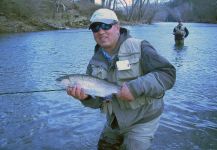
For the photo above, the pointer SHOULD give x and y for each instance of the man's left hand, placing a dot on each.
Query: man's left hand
(125, 94)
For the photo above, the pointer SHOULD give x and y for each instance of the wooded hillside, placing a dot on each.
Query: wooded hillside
(35, 15)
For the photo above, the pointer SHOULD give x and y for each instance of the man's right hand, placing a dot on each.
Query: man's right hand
(77, 92)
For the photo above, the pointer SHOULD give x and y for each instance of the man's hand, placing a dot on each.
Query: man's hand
(76, 92)
(125, 94)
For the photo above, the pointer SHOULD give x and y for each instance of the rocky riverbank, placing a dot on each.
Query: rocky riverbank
(12, 23)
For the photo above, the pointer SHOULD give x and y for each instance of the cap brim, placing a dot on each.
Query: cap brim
(106, 21)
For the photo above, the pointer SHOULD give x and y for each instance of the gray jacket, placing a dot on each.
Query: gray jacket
(148, 78)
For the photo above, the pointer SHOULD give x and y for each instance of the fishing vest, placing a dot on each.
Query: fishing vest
(180, 31)
(130, 50)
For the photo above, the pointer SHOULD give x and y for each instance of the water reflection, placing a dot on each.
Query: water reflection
(180, 51)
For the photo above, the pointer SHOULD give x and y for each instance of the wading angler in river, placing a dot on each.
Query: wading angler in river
(142, 75)
(180, 33)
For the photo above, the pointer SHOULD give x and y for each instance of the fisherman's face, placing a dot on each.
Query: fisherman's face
(108, 38)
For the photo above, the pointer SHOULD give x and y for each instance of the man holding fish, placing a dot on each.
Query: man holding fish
(133, 113)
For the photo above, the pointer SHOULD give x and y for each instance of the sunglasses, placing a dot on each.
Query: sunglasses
(95, 28)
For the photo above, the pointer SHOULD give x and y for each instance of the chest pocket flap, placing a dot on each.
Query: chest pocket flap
(132, 72)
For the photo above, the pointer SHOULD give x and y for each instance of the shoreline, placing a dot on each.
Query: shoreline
(22, 25)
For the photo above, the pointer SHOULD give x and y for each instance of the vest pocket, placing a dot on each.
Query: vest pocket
(131, 73)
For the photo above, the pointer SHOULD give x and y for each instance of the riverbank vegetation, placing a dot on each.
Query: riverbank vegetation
(36, 15)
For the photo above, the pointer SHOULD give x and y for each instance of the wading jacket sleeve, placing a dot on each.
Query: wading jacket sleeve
(149, 76)
(158, 74)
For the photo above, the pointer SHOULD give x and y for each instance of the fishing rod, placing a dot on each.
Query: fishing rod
(34, 91)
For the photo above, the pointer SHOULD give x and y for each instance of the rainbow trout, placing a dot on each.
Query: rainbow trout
(91, 85)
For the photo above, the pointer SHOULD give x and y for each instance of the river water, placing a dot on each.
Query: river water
(55, 121)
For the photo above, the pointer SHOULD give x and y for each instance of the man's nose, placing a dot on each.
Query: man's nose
(101, 31)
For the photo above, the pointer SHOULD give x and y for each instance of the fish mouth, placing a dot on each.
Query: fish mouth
(61, 78)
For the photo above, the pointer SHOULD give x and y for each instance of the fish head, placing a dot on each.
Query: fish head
(64, 81)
